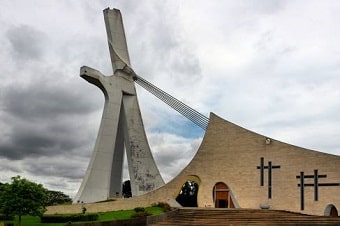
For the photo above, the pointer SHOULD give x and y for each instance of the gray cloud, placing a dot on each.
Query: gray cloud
(27, 42)
(41, 100)
(34, 141)
(8, 166)
(57, 167)
(44, 119)
(161, 42)
(266, 6)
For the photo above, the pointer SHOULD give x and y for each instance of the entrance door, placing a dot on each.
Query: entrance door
(221, 196)
(331, 211)
(222, 203)
(334, 212)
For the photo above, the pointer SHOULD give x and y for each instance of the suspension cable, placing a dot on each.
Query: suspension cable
(188, 112)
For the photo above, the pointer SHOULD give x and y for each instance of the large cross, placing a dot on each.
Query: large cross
(316, 185)
(121, 127)
(270, 168)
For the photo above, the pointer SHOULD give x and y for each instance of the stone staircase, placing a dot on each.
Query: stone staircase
(237, 217)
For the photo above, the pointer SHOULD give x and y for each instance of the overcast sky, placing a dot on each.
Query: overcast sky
(270, 66)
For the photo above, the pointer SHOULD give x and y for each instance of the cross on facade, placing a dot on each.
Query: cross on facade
(316, 185)
(270, 167)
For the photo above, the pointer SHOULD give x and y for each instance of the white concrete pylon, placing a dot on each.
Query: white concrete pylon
(121, 126)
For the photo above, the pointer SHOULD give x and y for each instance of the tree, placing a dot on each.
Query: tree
(22, 197)
(56, 198)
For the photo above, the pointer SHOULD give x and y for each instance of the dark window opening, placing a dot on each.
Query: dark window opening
(187, 197)
(127, 189)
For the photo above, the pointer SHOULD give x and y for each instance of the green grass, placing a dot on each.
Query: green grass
(107, 216)
(34, 221)
(126, 214)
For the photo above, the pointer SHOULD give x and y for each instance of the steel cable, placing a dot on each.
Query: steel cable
(176, 104)
(190, 113)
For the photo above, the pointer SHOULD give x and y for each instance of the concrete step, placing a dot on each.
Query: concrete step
(235, 217)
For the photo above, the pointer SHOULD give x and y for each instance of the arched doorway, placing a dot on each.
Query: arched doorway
(187, 197)
(331, 211)
(187, 193)
(222, 196)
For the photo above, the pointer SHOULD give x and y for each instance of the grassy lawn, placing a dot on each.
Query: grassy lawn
(126, 214)
(107, 216)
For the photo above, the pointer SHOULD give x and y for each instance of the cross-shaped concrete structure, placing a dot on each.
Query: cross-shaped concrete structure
(121, 127)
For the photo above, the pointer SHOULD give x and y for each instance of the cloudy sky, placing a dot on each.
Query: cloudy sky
(270, 66)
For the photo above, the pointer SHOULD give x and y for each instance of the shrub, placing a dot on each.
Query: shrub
(6, 217)
(140, 214)
(165, 206)
(139, 209)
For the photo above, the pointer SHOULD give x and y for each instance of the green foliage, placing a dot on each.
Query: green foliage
(140, 214)
(6, 218)
(154, 210)
(22, 197)
(165, 206)
(69, 217)
(116, 215)
(57, 198)
(83, 210)
(102, 217)
(139, 209)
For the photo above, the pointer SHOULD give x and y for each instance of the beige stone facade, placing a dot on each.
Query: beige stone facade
(233, 155)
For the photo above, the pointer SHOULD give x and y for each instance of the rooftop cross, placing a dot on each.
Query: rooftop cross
(121, 127)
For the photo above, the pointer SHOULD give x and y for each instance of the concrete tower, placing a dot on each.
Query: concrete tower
(121, 127)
